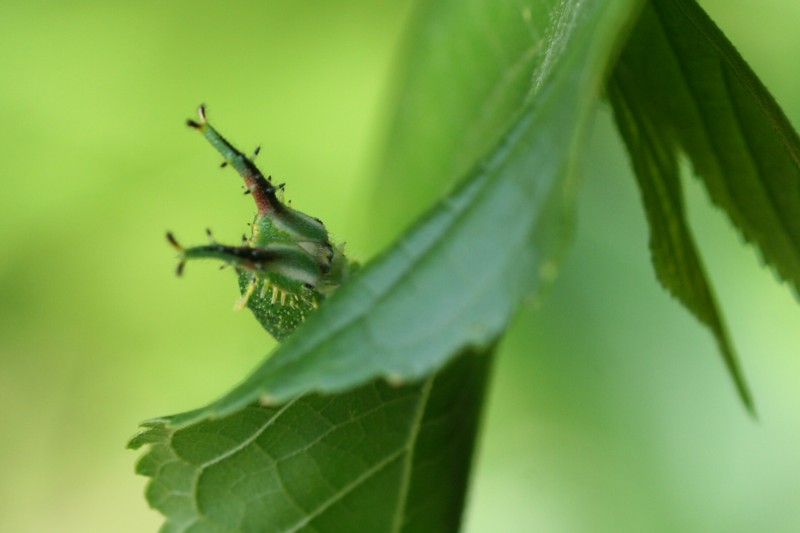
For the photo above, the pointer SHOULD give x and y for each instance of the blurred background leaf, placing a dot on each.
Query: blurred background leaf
(608, 411)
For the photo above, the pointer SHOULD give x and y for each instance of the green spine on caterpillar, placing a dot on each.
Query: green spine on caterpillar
(288, 265)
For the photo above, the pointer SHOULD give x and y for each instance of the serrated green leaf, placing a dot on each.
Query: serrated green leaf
(701, 96)
(674, 254)
(455, 279)
(680, 85)
(378, 458)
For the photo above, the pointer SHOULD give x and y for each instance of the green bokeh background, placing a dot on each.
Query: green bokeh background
(610, 410)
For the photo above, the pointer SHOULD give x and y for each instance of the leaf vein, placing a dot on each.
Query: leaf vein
(346, 490)
(410, 446)
(242, 445)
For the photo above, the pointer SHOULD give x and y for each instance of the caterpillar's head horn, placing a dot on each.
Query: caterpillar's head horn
(201, 114)
(175, 244)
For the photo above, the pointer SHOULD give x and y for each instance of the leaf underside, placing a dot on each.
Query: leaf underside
(362, 460)
(681, 86)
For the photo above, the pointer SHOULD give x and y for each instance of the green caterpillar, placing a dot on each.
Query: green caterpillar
(288, 265)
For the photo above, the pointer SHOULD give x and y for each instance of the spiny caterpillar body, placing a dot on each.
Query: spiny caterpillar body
(288, 265)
